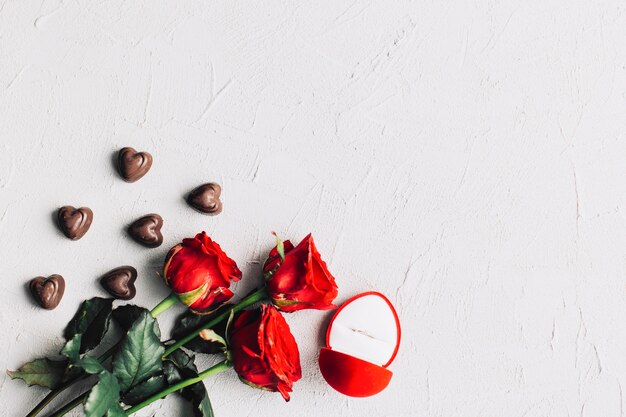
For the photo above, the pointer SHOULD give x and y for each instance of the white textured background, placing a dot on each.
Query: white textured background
(468, 159)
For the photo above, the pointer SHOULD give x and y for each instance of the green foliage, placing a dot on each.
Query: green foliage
(103, 396)
(116, 411)
(71, 349)
(90, 365)
(178, 366)
(144, 390)
(126, 315)
(138, 369)
(197, 395)
(44, 372)
(139, 355)
(91, 322)
(211, 336)
(189, 322)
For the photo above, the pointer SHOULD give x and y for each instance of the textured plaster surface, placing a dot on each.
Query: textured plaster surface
(467, 159)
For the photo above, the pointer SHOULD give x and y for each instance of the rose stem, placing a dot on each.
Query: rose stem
(164, 305)
(69, 406)
(167, 302)
(51, 396)
(215, 369)
(256, 296)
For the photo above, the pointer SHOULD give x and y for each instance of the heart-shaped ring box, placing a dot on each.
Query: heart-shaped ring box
(362, 340)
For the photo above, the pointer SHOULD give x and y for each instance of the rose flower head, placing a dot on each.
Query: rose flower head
(298, 278)
(264, 352)
(200, 273)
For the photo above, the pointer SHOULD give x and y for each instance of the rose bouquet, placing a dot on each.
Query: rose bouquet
(141, 368)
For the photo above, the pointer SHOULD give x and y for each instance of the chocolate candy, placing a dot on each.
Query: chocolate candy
(74, 223)
(120, 282)
(48, 291)
(147, 230)
(132, 164)
(206, 198)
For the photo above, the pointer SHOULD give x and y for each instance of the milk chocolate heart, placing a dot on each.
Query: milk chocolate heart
(120, 282)
(147, 230)
(206, 198)
(132, 164)
(74, 223)
(48, 291)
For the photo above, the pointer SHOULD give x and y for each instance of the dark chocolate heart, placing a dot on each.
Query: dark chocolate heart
(206, 198)
(132, 164)
(74, 223)
(48, 291)
(147, 230)
(120, 282)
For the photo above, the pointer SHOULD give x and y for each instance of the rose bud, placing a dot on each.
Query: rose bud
(298, 278)
(264, 352)
(199, 272)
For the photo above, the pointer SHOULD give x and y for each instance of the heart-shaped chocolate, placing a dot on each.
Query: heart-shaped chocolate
(74, 222)
(206, 198)
(132, 164)
(120, 282)
(147, 230)
(48, 291)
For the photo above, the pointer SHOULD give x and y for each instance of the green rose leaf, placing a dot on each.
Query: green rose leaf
(197, 395)
(44, 372)
(211, 336)
(146, 389)
(90, 365)
(71, 349)
(171, 373)
(139, 355)
(116, 411)
(126, 315)
(103, 396)
(178, 366)
(189, 321)
(91, 321)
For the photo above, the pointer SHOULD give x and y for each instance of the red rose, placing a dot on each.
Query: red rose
(200, 273)
(264, 352)
(302, 280)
